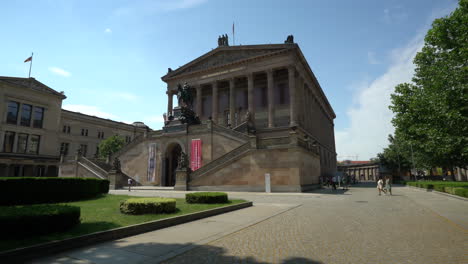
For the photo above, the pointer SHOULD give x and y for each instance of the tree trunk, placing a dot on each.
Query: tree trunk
(452, 173)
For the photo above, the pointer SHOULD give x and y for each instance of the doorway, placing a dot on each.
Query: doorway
(173, 152)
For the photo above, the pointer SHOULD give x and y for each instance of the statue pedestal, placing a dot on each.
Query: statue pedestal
(115, 179)
(181, 180)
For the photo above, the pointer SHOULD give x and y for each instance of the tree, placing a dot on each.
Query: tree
(110, 146)
(396, 156)
(431, 114)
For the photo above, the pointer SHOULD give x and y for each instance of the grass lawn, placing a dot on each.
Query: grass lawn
(103, 214)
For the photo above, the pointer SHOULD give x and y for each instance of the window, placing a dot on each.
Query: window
(84, 132)
(12, 115)
(38, 117)
(100, 135)
(64, 148)
(83, 149)
(22, 143)
(66, 129)
(8, 141)
(128, 139)
(26, 115)
(34, 144)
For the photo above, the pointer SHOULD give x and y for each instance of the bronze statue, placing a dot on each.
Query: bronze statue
(183, 161)
(116, 165)
(185, 95)
(289, 40)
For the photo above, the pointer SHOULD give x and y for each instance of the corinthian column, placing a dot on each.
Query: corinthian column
(169, 103)
(199, 101)
(292, 95)
(271, 113)
(232, 101)
(215, 102)
(250, 91)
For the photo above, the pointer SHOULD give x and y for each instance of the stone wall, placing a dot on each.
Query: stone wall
(289, 169)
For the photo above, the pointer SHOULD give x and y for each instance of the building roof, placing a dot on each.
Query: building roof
(227, 56)
(138, 125)
(31, 83)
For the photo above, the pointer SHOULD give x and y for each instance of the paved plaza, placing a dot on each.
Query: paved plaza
(354, 226)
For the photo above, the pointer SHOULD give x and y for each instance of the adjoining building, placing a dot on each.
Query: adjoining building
(35, 131)
(364, 170)
(265, 120)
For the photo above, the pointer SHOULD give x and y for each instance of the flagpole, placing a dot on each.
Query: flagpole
(233, 35)
(30, 65)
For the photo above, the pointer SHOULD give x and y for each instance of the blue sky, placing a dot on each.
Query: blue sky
(108, 56)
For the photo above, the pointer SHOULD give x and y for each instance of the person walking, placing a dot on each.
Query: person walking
(334, 182)
(380, 186)
(388, 186)
(130, 182)
(345, 182)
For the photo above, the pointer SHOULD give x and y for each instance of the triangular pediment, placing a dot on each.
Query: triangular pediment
(30, 83)
(226, 55)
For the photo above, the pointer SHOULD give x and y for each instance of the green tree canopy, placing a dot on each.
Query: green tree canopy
(110, 146)
(431, 114)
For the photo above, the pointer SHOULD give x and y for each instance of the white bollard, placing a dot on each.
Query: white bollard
(267, 183)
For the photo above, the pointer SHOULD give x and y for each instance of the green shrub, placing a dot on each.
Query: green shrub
(461, 192)
(25, 220)
(449, 190)
(439, 187)
(137, 206)
(34, 190)
(206, 197)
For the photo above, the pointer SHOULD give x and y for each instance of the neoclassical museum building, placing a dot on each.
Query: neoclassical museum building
(265, 121)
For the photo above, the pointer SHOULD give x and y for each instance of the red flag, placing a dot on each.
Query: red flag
(28, 59)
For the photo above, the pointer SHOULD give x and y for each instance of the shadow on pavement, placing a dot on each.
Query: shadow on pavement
(114, 253)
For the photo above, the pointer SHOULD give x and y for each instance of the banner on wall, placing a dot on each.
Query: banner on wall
(151, 163)
(195, 154)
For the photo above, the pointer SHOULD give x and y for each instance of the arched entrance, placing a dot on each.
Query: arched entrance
(171, 162)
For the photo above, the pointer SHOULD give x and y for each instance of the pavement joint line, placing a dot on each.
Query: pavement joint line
(450, 222)
(243, 227)
(442, 217)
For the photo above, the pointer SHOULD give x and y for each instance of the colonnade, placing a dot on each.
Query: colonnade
(250, 96)
(363, 173)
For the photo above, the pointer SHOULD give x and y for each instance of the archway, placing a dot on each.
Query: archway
(172, 161)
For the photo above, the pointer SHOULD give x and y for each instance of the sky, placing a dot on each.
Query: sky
(108, 56)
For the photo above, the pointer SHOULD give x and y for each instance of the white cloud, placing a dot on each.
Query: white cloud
(155, 121)
(371, 58)
(125, 96)
(59, 71)
(181, 4)
(108, 30)
(90, 110)
(149, 7)
(370, 118)
(394, 15)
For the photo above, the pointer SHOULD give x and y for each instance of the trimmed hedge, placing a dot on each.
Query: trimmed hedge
(455, 188)
(206, 197)
(34, 190)
(137, 206)
(25, 220)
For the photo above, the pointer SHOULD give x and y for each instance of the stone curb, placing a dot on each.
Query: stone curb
(49, 248)
(437, 192)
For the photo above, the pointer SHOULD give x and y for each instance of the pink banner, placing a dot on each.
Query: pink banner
(195, 154)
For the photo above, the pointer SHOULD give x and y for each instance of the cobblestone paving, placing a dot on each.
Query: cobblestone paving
(357, 226)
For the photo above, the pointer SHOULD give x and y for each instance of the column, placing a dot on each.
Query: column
(232, 102)
(214, 111)
(271, 113)
(169, 103)
(250, 91)
(199, 101)
(292, 94)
